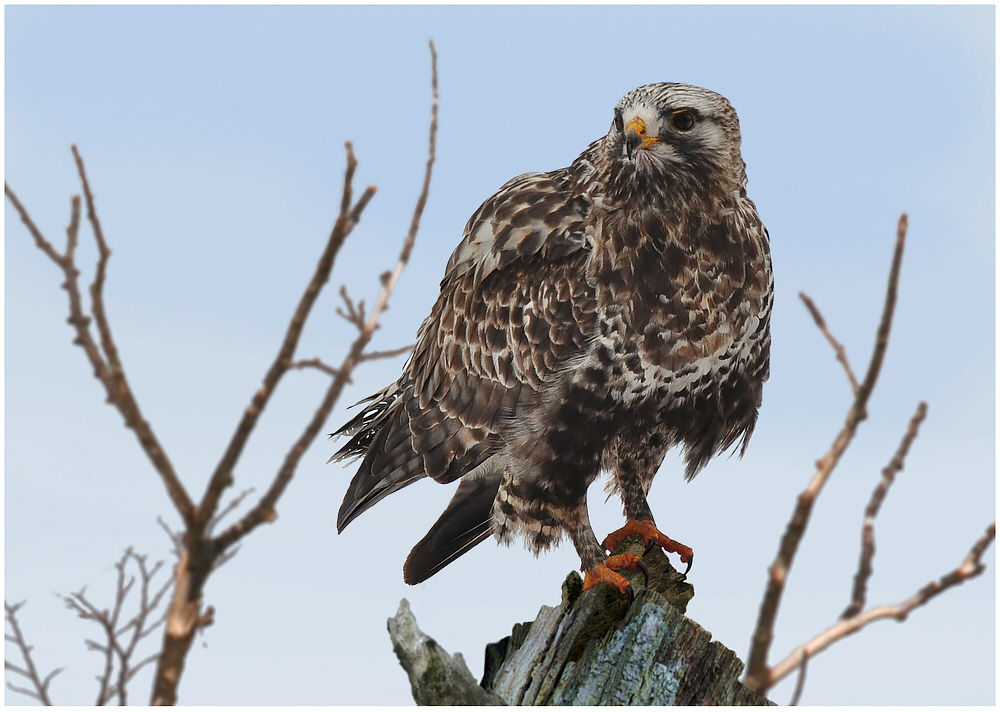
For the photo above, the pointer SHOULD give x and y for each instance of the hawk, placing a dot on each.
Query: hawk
(590, 319)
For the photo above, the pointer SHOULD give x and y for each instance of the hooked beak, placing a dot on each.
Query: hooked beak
(636, 138)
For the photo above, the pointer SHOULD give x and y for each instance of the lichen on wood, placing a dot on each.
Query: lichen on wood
(594, 648)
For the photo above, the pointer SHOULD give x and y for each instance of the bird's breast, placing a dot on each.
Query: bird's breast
(679, 315)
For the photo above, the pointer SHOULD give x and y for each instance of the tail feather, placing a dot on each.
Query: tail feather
(364, 427)
(465, 523)
(389, 465)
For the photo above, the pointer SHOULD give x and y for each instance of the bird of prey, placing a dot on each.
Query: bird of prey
(591, 318)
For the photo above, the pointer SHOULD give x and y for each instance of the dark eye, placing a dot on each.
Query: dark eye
(682, 121)
(619, 122)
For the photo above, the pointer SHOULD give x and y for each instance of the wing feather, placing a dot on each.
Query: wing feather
(488, 343)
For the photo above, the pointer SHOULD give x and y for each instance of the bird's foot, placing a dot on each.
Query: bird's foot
(652, 536)
(606, 573)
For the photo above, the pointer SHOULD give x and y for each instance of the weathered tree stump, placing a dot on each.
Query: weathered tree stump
(595, 648)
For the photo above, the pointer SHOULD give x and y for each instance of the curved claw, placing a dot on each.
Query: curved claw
(650, 543)
(652, 536)
(690, 561)
(641, 565)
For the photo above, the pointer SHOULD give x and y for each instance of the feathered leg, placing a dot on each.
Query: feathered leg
(632, 479)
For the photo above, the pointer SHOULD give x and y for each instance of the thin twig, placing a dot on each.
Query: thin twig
(119, 648)
(390, 353)
(837, 347)
(200, 554)
(348, 218)
(800, 683)
(757, 669)
(389, 283)
(860, 590)
(265, 509)
(970, 567)
(176, 538)
(103, 357)
(236, 502)
(316, 363)
(355, 313)
(40, 686)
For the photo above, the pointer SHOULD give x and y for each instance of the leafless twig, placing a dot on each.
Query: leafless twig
(760, 676)
(104, 358)
(800, 683)
(264, 511)
(316, 363)
(970, 567)
(390, 353)
(859, 592)
(757, 678)
(232, 506)
(352, 313)
(176, 538)
(122, 639)
(838, 349)
(198, 551)
(321, 365)
(40, 686)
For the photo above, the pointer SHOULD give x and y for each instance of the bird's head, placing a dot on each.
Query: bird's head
(674, 139)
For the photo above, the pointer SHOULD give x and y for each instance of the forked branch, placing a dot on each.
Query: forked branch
(756, 677)
(971, 566)
(120, 639)
(859, 592)
(39, 689)
(199, 552)
(760, 676)
(350, 215)
(103, 354)
(264, 510)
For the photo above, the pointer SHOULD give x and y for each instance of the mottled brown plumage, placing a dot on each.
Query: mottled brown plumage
(591, 318)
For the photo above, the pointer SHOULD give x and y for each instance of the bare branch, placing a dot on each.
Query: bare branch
(389, 283)
(348, 218)
(103, 358)
(392, 353)
(800, 682)
(837, 348)
(757, 669)
(43, 244)
(321, 365)
(176, 538)
(117, 650)
(354, 314)
(316, 363)
(236, 502)
(859, 592)
(40, 686)
(265, 509)
(200, 555)
(970, 567)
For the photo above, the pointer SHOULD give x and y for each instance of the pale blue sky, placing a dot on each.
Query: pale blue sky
(213, 137)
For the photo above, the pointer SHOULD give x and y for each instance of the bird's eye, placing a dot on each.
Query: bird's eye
(619, 122)
(682, 121)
